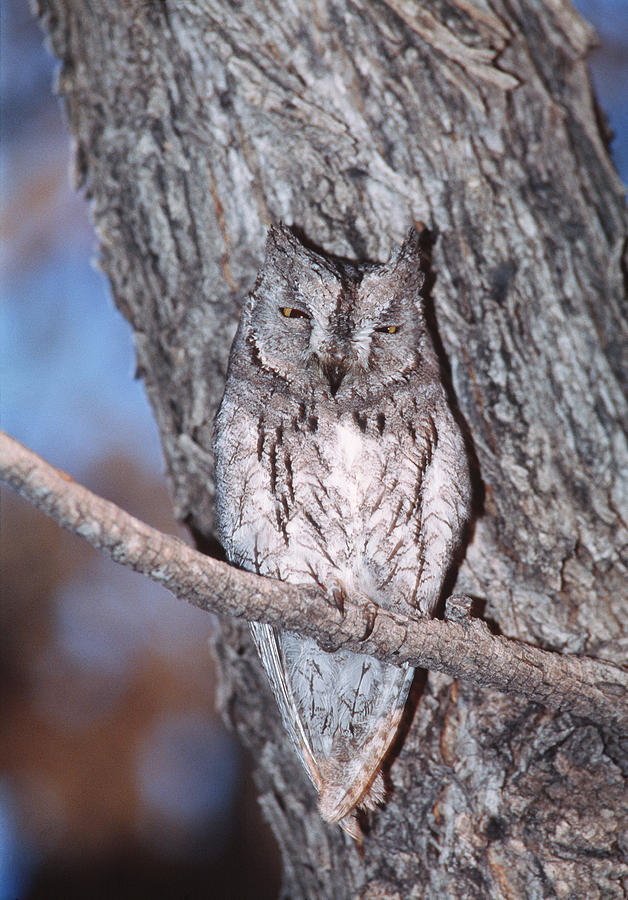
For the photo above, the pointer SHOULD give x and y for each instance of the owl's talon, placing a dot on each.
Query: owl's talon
(371, 615)
(338, 596)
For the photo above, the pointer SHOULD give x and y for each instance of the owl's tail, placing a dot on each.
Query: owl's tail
(346, 785)
(355, 780)
(373, 797)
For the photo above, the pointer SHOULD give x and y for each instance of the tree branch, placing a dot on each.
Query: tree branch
(463, 648)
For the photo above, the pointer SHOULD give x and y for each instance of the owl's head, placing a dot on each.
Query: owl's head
(322, 324)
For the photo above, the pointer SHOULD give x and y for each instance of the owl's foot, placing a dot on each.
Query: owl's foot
(336, 596)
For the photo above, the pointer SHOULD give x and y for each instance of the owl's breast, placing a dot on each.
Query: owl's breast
(356, 465)
(353, 494)
(315, 496)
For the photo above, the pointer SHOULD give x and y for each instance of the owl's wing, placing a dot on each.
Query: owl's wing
(267, 639)
(342, 711)
(444, 489)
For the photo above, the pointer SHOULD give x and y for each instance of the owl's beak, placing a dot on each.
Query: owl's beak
(334, 369)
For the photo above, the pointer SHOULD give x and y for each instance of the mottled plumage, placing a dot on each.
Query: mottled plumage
(339, 463)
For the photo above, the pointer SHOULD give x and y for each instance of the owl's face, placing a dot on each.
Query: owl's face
(326, 326)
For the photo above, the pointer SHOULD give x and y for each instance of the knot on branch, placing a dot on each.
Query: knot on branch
(458, 608)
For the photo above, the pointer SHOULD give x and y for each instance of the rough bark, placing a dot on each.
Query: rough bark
(198, 124)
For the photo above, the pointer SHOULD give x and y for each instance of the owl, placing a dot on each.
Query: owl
(339, 464)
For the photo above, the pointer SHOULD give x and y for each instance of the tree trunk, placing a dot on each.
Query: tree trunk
(198, 124)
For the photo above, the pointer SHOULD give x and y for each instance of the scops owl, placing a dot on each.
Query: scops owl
(339, 463)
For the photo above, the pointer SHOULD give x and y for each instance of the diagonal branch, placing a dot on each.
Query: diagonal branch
(464, 648)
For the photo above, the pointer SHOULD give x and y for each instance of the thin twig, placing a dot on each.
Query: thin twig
(465, 649)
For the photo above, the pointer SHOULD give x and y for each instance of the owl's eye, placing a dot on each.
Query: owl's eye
(388, 329)
(291, 313)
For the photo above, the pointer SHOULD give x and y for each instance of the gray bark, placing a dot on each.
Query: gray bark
(196, 125)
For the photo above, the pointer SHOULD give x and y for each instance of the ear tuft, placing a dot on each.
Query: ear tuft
(409, 263)
(412, 250)
(412, 246)
(280, 238)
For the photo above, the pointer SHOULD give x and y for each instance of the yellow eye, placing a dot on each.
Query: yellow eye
(291, 313)
(388, 329)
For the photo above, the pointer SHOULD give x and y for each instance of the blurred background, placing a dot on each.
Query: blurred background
(117, 778)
